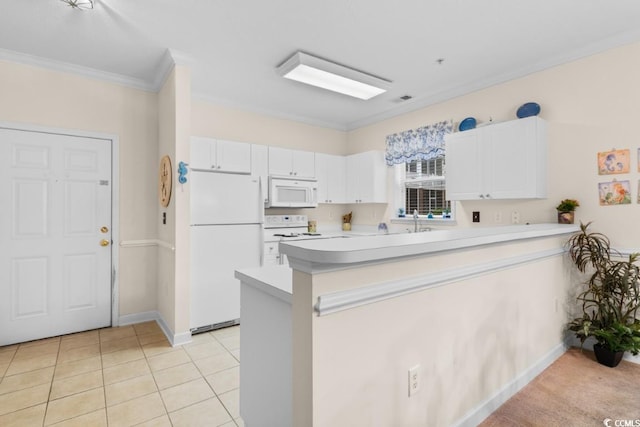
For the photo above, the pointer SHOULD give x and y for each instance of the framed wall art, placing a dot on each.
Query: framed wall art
(613, 162)
(614, 193)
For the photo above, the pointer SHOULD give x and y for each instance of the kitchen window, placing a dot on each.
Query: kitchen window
(419, 159)
(424, 188)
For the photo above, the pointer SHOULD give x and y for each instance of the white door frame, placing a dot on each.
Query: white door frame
(115, 197)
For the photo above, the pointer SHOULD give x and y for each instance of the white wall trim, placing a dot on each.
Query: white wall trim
(345, 300)
(146, 316)
(65, 67)
(174, 339)
(147, 243)
(486, 408)
(627, 251)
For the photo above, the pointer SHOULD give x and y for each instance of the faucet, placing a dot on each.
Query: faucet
(415, 220)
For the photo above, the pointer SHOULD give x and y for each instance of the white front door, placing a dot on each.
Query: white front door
(55, 234)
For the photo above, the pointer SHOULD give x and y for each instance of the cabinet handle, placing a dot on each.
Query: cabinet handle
(295, 173)
(218, 166)
(213, 166)
(488, 196)
(482, 196)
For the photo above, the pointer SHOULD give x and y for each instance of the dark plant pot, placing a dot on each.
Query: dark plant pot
(606, 357)
(565, 217)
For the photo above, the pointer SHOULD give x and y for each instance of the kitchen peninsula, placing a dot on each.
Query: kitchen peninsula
(476, 312)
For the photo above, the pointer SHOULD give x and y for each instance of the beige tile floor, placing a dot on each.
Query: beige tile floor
(126, 376)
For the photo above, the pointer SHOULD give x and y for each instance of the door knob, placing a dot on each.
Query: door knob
(104, 242)
(104, 229)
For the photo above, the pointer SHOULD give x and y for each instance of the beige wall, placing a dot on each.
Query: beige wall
(166, 232)
(35, 96)
(356, 361)
(591, 105)
(227, 123)
(174, 265)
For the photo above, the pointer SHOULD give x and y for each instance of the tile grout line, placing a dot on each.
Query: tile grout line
(164, 405)
(146, 358)
(207, 382)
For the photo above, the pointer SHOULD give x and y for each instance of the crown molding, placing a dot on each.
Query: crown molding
(65, 67)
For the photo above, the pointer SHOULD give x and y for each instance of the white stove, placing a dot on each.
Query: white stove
(282, 228)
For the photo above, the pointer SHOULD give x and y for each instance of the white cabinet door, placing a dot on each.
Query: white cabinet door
(220, 155)
(303, 164)
(280, 161)
(331, 173)
(515, 169)
(234, 157)
(463, 174)
(285, 162)
(202, 153)
(502, 161)
(366, 178)
(337, 179)
(322, 162)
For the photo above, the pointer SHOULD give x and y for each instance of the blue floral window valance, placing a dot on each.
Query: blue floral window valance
(423, 143)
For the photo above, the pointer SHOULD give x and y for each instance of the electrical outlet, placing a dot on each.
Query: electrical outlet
(475, 216)
(414, 380)
(515, 217)
(497, 217)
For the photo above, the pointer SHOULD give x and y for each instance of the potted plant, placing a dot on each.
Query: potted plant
(566, 210)
(611, 299)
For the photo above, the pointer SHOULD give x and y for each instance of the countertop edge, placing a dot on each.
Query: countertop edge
(276, 281)
(364, 250)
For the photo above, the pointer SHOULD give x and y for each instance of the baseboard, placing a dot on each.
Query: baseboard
(147, 316)
(174, 339)
(482, 411)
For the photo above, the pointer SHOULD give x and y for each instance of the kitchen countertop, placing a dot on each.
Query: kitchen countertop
(275, 280)
(343, 252)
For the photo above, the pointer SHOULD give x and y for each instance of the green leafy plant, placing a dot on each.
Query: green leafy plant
(611, 299)
(620, 337)
(567, 205)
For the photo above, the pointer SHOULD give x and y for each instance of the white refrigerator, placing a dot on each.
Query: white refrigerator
(227, 213)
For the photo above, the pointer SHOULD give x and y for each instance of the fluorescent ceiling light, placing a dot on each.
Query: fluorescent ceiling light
(319, 72)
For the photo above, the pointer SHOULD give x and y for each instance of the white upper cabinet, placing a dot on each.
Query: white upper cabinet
(218, 155)
(366, 178)
(502, 161)
(295, 163)
(331, 172)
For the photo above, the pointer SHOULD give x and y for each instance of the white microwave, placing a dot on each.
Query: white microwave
(292, 193)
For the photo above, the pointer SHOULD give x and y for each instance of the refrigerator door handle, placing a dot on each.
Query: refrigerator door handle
(262, 199)
(261, 243)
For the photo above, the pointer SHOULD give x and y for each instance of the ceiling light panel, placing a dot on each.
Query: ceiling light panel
(319, 72)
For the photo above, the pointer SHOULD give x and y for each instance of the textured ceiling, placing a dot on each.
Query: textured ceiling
(234, 46)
